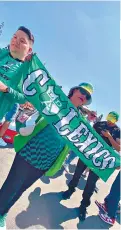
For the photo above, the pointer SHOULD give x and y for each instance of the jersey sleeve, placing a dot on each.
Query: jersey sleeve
(16, 96)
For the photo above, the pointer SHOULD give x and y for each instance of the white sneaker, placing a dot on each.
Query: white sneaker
(66, 167)
(2, 142)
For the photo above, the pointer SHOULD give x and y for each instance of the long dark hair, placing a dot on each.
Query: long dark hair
(70, 94)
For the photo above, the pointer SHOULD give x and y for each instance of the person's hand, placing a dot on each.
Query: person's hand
(28, 105)
(106, 133)
(3, 87)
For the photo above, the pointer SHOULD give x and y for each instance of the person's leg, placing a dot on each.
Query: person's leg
(87, 193)
(75, 180)
(68, 160)
(70, 157)
(85, 173)
(111, 202)
(21, 176)
(113, 198)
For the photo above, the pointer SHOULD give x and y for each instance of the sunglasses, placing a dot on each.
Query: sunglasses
(84, 92)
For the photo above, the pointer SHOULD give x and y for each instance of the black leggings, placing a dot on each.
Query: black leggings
(90, 184)
(21, 176)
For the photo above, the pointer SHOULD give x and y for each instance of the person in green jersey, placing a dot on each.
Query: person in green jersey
(41, 151)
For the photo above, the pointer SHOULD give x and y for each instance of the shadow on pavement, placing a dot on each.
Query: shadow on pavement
(46, 179)
(45, 210)
(8, 146)
(82, 182)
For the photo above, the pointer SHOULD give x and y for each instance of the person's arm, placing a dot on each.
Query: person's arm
(12, 94)
(115, 144)
(17, 96)
(85, 110)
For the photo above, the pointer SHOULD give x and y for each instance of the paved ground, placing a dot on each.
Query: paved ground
(41, 206)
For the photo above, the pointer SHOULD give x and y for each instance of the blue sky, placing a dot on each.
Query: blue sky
(79, 41)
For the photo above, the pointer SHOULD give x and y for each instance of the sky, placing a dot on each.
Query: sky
(78, 41)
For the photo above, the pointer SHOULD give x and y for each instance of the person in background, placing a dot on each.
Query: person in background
(111, 205)
(104, 129)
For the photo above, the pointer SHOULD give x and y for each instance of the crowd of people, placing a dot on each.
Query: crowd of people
(38, 155)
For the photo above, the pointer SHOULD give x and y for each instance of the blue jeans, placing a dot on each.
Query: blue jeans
(70, 157)
(11, 115)
(113, 198)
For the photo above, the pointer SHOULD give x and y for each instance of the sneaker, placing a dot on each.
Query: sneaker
(82, 213)
(101, 206)
(67, 194)
(66, 167)
(107, 219)
(3, 222)
(2, 142)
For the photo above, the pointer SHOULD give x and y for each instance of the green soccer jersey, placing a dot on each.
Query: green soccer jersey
(10, 69)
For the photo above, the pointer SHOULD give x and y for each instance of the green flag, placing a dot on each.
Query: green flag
(48, 98)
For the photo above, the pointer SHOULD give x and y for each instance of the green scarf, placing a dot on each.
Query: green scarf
(47, 97)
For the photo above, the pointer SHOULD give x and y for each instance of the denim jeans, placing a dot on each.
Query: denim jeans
(70, 157)
(113, 198)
